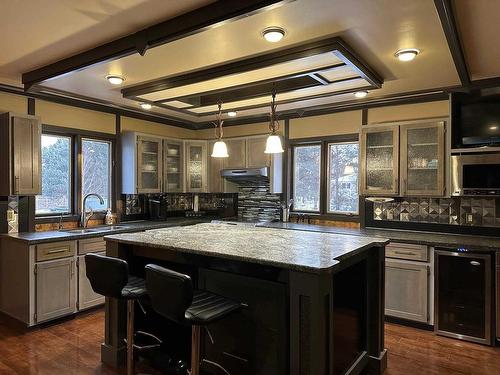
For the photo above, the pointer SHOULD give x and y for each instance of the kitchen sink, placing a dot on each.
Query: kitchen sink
(78, 231)
(106, 228)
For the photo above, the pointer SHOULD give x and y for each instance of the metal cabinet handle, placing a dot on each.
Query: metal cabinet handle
(56, 251)
(475, 263)
(72, 265)
(404, 252)
(16, 184)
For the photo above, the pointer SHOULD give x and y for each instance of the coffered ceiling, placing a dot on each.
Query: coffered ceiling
(186, 77)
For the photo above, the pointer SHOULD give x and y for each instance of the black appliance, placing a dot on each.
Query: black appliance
(158, 208)
(463, 294)
(476, 120)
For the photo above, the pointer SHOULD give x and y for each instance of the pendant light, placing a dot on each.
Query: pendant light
(273, 143)
(220, 148)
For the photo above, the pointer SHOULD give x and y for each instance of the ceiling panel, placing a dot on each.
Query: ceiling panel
(478, 22)
(375, 29)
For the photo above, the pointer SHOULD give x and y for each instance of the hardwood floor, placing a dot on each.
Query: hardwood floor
(73, 347)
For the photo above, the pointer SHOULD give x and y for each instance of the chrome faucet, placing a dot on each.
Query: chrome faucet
(84, 220)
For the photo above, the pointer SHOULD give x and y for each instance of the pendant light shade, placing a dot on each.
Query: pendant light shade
(273, 144)
(219, 150)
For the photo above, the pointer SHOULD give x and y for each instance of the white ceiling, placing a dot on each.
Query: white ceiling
(375, 29)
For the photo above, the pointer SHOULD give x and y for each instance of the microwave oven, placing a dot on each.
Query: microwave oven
(475, 174)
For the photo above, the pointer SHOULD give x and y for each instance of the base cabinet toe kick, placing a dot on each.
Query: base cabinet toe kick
(293, 322)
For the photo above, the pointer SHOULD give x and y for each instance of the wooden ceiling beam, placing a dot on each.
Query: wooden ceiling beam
(448, 22)
(196, 21)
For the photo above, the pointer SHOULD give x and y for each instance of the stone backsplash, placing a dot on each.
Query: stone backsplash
(452, 211)
(257, 203)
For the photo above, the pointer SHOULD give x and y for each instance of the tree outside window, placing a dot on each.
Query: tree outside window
(343, 177)
(96, 172)
(306, 178)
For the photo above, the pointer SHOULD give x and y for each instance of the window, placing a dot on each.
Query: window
(56, 176)
(343, 178)
(306, 178)
(325, 176)
(74, 162)
(96, 172)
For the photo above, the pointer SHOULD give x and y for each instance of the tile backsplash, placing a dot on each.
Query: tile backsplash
(257, 203)
(455, 211)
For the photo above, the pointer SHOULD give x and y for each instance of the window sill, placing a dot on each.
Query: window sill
(332, 217)
(55, 219)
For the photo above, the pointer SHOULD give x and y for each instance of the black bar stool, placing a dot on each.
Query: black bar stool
(110, 277)
(173, 297)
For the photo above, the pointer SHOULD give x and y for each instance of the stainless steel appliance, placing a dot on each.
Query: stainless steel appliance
(247, 176)
(475, 174)
(498, 295)
(463, 295)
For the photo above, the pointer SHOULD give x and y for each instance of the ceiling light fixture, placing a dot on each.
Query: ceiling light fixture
(360, 94)
(232, 113)
(407, 54)
(115, 79)
(273, 143)
(146, 106)
(273, 34)
(220, 148)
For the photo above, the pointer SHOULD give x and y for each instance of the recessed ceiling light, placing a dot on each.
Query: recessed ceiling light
(273, 34)
(494, 127)
(146, 106)
(360, 94)
(407, 54)
(115, 79)
(232, 113)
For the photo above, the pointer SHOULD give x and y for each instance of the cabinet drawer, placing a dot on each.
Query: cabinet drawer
(91, 245)
(407, 251)
(55, 250)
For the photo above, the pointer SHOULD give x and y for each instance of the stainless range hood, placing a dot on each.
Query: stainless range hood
(247, 176)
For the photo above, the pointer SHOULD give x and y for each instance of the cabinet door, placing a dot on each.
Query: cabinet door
(26, 140)
(380, 160)
(149, 165)
(55, 289)
(86, 296)
(236, 149)
(407, 290)
(256, 157)
(422, 159)
(215, 165)
(196, 166)
(173, 162)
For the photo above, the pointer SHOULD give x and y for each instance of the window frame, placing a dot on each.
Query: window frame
(346, 213)
(324, 172)
(110, 166)
(71, 176)
(292, 184)
(77, 135)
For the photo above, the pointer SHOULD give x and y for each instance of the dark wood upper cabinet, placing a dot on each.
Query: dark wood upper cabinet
(20, 159)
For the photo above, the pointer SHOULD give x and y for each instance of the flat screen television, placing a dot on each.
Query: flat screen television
(476, 124)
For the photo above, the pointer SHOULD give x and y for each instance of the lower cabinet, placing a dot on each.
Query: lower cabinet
(408, 282)
(87, 298)
(55, 284)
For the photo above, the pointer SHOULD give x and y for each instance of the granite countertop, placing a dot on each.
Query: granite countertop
(297, 250)
(33, 238)
(479, 243)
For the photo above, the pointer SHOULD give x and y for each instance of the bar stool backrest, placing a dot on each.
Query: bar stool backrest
(171, 292)
(107, 275)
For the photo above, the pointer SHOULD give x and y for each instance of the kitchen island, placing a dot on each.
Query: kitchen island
(314, 300)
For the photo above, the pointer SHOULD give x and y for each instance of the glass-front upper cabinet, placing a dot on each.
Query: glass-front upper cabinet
(196, 166)
(422, 159)
(149, 164)
(173, 162)
(380, 160)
